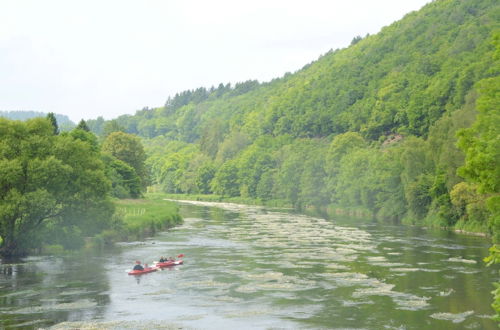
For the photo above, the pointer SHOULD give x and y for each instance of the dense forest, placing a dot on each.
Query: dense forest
(392, 126)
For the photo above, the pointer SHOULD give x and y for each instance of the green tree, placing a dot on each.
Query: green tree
(127, 148)
(53, 121)
(204, 176)
(125, 183)
(481, 143)
(45, 178)
(83, 126)
(225, 182)
(111, 127)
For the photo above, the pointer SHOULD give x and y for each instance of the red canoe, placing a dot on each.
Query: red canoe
(168, 263)
(145, 271)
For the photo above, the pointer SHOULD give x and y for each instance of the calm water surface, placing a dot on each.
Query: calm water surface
(251, 268)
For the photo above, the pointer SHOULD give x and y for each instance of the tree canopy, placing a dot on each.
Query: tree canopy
(46, 178)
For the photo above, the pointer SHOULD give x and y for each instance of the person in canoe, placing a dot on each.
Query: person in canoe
(162, 259)
(138, 266)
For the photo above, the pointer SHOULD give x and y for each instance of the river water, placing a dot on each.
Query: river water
(253, 268)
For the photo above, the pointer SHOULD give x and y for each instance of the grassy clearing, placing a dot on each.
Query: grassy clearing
(144, 217)
(136, 219)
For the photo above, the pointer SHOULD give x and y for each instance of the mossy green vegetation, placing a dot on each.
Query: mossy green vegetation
(136, 219)
(144, 217)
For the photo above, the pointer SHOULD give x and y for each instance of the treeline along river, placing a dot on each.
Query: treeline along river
(251, 267)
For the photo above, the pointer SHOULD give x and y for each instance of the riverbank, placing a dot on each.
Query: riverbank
(136, 219)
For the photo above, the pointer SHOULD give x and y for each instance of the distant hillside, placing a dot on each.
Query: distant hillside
(400, 80)
(62, 120)
(371, 128)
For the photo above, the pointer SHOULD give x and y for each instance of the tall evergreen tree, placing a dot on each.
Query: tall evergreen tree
(83, 126)
(53, 121)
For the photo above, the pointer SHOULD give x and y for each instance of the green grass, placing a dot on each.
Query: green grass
(136, 219)
(144, 217)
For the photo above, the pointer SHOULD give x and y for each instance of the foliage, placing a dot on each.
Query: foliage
(63, 121)
(83, 126)
(127, 148)
(53, 121)
(46, 181)
(372, 126)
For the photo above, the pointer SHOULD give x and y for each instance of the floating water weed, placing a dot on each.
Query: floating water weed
(337, 267)
(208, 284)
(159, 292)
(460, 259)
(24, 293)
(266, 276)
(455, 318)
(79, 304)
(388, 264)
(250, 313)
(376, 259)
(73, 292)
(410, 302)
(28, 324)
(351, 303)
(118, 325)
(404, 270)
(381, 289)
(446, 293)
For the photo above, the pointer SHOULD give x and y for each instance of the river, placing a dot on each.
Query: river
(254, 268)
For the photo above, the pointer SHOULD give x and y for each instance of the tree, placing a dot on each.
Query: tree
(125, 182)
(45, 178)
(225, 182)
(127, 148)
(83, 126)
(480, 142)
(53, 121)
(204, 176)
(111, 127)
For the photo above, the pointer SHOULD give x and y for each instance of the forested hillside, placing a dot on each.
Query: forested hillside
(372, 127)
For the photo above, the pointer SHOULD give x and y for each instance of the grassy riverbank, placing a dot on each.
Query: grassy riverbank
(136, 219)
(144, 217)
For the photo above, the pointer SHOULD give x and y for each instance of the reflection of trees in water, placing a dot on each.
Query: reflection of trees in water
(58, 288)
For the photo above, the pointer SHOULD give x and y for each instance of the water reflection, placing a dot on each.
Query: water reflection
(44, 290)
(247, 267)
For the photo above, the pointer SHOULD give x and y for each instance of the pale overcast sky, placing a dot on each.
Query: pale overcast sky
(106, 58)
